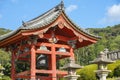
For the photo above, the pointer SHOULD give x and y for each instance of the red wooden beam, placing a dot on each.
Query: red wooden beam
(63, 54)
(44, 71)
(43, 51)
(23, 55)
(23, 73)
(55, 45)
(23, 76)
(59, 37)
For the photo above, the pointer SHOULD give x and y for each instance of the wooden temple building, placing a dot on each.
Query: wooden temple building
(41, 42)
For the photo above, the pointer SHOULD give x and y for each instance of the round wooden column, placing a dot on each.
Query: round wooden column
(53, 62)
(33, 63)
(13, 66)
(72, 53)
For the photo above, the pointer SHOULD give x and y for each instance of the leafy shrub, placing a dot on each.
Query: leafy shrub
(112, 67)
(111, 78)
(117, 71)
(5, 78)
(87, 73)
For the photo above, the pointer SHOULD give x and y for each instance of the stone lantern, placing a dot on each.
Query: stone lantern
(71, 67)
(102, 62)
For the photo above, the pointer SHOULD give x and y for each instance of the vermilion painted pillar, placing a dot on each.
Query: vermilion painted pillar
(33, 63)
(72, 53)
(50, 66)
(53, 58)
(13, 66)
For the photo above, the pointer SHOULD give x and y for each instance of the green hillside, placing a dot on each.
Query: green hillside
(4, 31)
(110, 38)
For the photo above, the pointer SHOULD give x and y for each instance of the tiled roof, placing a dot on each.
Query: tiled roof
(44, 20)
(39, 21)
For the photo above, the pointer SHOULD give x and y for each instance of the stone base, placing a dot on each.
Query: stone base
(72, 77)
(102, 74)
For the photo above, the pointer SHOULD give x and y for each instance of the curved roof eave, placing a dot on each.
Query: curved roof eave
(80, 29)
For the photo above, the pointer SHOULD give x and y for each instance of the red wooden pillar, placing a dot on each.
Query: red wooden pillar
(13, 66)
(33, 63)
(72, 53)
(53, 63)
(50, 66)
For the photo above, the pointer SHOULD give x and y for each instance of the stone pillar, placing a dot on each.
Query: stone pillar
(72, 77)
(102, 74)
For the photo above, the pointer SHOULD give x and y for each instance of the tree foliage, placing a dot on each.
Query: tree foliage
(117, 71)
(110, 38)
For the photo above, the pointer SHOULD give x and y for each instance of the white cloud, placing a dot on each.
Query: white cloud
(71, 8)
(112, 14)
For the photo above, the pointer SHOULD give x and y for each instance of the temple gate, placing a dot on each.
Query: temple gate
(41, 42)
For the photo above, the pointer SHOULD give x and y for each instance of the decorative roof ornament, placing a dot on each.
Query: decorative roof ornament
(23, 23)
(62, 5)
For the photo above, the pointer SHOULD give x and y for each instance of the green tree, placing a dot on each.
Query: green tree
(4, 57)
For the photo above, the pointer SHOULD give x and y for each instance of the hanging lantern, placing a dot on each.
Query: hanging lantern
(62, 49)
(42, 61)
(53, 39)
(43, 48)
(29, 42)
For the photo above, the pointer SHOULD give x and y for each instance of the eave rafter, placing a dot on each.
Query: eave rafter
(80, 34)
(62, 22)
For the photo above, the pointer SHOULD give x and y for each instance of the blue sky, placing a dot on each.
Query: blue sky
(85, 13)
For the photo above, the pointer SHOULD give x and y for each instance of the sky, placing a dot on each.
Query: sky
(85, 13)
